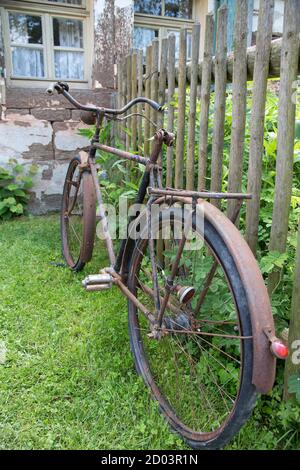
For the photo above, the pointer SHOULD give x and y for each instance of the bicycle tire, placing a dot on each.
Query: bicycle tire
(84, 252)
(246, 398)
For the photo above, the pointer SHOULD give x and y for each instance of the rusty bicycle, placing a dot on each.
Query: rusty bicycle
(200, 321)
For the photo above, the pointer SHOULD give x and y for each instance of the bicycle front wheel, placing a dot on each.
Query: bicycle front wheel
(78, 216)
(199, 368)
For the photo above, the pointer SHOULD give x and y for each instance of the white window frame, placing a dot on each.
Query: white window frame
(57, 4)
(41, 8)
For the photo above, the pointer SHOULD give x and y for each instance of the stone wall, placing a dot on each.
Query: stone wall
(36, 128)
(40, 129)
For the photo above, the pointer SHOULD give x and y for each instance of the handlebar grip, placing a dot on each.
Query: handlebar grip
(50, 89)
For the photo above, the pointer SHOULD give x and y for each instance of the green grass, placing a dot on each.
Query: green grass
(69, 381)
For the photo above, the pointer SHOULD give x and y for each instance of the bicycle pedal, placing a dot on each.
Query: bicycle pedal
(95, 282)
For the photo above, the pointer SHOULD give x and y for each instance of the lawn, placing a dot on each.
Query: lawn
(68, 381)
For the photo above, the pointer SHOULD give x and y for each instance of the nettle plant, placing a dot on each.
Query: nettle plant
(15, 183)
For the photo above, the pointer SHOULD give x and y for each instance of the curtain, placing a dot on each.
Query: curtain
(69, 65)
(28, 62)
(67, 32)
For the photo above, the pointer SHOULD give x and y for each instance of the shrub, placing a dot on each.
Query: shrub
(15, 183)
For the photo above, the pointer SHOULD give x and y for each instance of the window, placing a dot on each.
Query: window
(159, 18)
(143, 36)
(171, 8)
(47, 43)
(27, 49)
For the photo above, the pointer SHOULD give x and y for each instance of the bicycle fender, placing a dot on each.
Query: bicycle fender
(264, 363)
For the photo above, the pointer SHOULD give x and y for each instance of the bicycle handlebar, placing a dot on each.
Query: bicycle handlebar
(63, 88)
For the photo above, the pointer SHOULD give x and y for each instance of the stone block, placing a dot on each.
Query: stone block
(51, 114)
(37, 98)
(21, 112)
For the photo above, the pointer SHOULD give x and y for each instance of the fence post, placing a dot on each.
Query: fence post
(128, 98)
(220, 101)
(123, 98)
(294, 327)
(286, 133)
(171, 89)
(140, 93)
(162, 83)
(120, 82)
(239, 102)
(260, 77)
(147, 94)
(134, 95)
(190, 171)
(205, 98)
(154, 82)
(181, 109)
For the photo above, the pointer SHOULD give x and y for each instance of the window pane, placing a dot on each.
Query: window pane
(179, 9)
(70, 2)
(150, 7)
(67, 32)
(28, 62)
(188, 44)
(25, 29)
(69, 65)
(143, 36)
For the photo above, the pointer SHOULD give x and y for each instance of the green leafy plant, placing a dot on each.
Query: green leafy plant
(15, 183)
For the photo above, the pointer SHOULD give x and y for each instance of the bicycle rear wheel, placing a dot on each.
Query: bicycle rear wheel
(200, 368)
(78, 216)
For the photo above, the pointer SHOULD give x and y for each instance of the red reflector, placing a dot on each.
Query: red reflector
(279, 350)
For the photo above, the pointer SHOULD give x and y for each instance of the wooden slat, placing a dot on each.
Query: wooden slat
(286, 133)
(220, 101)
(154, 83)
(190, 170)
(239, 101)
(140, 93)
(162, 83)
(148, 95)
(181, 109)
(261, 71)
(128, 98)
(205, 99)
(120, 80)
(123, 99)
(134, 95)
(171, 89)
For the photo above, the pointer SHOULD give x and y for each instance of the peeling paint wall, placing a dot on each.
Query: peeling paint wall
(42, 130)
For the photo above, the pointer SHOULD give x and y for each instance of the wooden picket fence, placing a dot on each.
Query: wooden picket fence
(158, 76)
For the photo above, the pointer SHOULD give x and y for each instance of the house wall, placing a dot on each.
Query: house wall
(202, 7)
(36, 128)
(278, 16)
